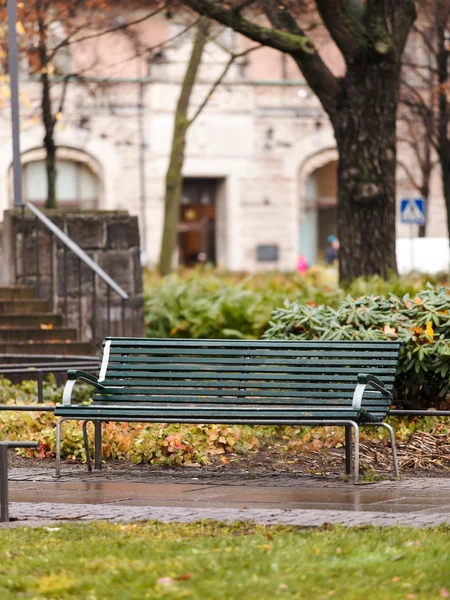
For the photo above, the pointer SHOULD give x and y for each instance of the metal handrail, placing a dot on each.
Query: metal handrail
(75, 248)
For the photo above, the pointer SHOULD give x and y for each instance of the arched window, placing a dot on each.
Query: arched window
(77, 186)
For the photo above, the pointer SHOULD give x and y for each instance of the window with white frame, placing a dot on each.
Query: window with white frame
(77, 186)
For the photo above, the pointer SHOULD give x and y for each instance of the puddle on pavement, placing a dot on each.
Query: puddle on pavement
(353, 498)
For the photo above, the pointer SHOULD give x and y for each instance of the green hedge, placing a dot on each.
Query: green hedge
(421, 321)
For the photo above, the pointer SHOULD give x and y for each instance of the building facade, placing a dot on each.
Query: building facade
(261, 160)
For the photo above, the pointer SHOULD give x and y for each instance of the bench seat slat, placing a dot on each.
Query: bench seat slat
(214, 413)
(300, 368)
(196, 343)
(224, 351)
(200, 368)
(142, 378)
(262, 396)
(260, 354)
(375, 404)
(147, 359)
(300, 383)
(304, 369)
(269, 391)
(185, 396)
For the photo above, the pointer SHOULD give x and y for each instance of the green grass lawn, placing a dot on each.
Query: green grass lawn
(210, 560)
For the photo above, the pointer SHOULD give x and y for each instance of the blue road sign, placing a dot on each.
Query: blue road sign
(412, 211)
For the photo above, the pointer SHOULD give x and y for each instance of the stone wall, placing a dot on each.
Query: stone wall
(111, 239)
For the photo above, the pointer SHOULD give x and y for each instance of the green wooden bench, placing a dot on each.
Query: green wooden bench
(238, 382)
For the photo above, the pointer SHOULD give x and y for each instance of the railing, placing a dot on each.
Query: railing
(58, 276)
(38, 370)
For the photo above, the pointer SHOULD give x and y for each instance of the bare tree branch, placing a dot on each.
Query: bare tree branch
(404, 16)
(219, 80)
(68, 41)
(332, 13)
(324, 84)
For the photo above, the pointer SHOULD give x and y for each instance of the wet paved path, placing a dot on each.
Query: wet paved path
(129, 495)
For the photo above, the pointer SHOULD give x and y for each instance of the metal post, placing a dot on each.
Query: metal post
(66, 306)
(411, 239)
(38, 268)
(51, 245)
(98, 444)
(108, 309)
(123, 317)
(94, 308)
(22, 230)
(348, 449)
(80, 308)
(142, 174)
(4, 517)
(14, 86)
(40, 386)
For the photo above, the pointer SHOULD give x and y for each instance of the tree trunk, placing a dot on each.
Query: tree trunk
(425, 194)
(443, 58)
(50, 166)
(444, 158)
(365, 130)
(174, 177)
(48, 120)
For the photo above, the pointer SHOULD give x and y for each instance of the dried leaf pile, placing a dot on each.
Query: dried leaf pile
(425, 451)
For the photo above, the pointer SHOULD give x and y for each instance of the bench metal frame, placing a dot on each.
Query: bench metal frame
(4, 446)
(350, 425)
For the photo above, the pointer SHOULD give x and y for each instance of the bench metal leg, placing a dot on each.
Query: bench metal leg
(4, 516)
(98, 444)
(393, 447)
(86, 446)
(348, 449)
(356, 451)
(58, 446)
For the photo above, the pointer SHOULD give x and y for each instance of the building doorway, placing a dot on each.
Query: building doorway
(197, 228)
(319, 214)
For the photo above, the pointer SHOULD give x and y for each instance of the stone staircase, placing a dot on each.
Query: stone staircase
(28, 327)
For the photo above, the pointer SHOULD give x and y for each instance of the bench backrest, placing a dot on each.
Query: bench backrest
(244, 372)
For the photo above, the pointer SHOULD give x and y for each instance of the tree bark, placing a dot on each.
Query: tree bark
(49, 142)
(48, 120)
(425, 194)
(443, 59)
(365, 130)
(174, 177)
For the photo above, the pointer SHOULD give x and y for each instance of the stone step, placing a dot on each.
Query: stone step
(50, 347)
(24, 306)
(12, 292)
(30, 320)
(24, 334)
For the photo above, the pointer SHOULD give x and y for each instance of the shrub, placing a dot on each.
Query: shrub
(191, 444)
(207, 303)
(210, 305)
(421, 321)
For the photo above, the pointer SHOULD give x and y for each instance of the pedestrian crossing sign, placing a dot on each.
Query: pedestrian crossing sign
(412, 211)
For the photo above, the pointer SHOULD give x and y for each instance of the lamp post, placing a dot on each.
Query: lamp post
(14, 86)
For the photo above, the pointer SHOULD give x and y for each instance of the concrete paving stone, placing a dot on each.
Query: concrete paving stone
(177, 496)
(24, 512)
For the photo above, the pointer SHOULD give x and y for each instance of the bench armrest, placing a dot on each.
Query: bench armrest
(373, 381)
(364, 381)
(72, 377)
(87, 377)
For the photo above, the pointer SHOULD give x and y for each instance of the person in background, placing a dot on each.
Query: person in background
(302, 264)
(332, 253)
